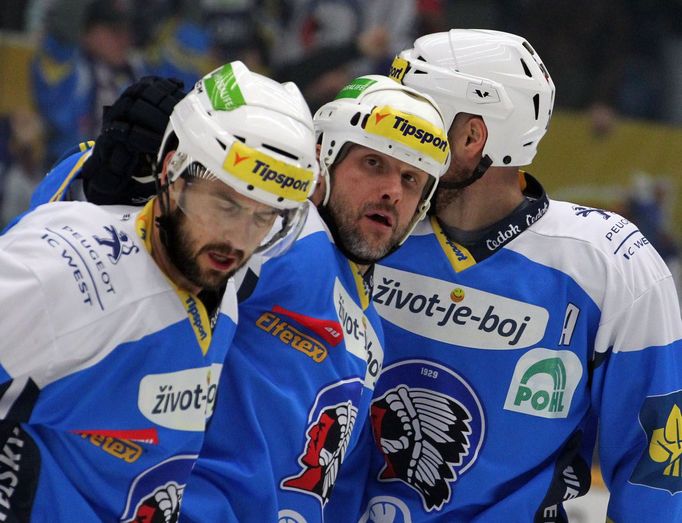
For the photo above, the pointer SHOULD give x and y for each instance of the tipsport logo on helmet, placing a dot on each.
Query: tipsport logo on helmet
(268, 174)
(223, 90)
(409, 130)
(398, 69)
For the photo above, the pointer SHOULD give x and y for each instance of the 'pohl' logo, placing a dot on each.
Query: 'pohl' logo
(543, 399)
(544, 383)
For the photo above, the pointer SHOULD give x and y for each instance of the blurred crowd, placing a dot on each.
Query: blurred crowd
(611, 58)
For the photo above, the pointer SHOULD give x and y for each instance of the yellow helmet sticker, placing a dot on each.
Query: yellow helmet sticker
(409, 130)
(267, 173)
(398, 69)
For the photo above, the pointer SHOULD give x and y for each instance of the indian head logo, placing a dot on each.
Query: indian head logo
(429, 426)
(119, 242)
(328, 434)
(660, 465)
(155, 495)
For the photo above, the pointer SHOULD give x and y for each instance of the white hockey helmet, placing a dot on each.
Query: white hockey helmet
(496, 75)
(394, 119)
(250, 132)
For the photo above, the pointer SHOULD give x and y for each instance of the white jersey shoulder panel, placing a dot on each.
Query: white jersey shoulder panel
(614, 264)
(86, 275)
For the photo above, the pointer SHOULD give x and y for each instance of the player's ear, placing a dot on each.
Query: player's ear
(163, 175)
(467, 136)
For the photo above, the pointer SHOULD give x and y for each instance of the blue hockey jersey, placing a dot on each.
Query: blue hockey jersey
(502, 356)
(294, 392)
(297, 382)
(108, 372)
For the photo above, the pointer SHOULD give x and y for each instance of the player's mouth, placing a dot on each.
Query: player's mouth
(381, 218)
(223, 262)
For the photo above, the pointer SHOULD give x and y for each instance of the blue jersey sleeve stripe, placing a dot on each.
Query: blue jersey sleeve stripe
(69, 178)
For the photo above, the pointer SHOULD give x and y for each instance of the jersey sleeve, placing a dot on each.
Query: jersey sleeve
(60, 183)
(27, 331)
(637, 391)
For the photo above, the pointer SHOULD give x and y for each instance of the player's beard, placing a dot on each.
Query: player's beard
(447, 191)
(183, 253)
(352, 238)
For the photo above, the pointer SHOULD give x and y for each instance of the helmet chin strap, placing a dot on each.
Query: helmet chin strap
(163, 195)
(478, 173)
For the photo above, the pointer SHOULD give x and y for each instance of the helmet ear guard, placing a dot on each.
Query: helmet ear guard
(493, 74)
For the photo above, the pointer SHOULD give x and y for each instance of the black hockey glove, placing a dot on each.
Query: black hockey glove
(119, 170)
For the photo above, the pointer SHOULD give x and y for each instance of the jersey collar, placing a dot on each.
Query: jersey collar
(465, 254)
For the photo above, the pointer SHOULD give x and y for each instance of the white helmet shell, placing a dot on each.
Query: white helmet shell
(379, 113)
(251, 132)
(496, 75)
(414, 131)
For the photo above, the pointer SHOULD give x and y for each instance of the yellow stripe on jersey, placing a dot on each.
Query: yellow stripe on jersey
(196, 311)
(72, 174)
(460, 258)
(360, 285)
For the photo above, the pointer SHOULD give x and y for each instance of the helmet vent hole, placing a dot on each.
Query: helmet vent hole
(525, 68)
(240, 138)
(536, 104)
(249, 187)
(355, 119)
(221, 144)
(332, 143)
(280, 151)
(364, 121)
(527, 144)
(506, 160)
(528, 48)
(279, 199)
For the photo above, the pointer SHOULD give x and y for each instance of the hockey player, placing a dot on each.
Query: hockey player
(308, 339)
(297, 382)
(515, 323)
(117, 320)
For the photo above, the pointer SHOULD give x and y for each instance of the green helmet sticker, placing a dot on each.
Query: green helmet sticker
(355, 88)
(223, 90)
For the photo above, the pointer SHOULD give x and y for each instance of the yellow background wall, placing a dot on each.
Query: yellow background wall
(15, 54)
(575, 164)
